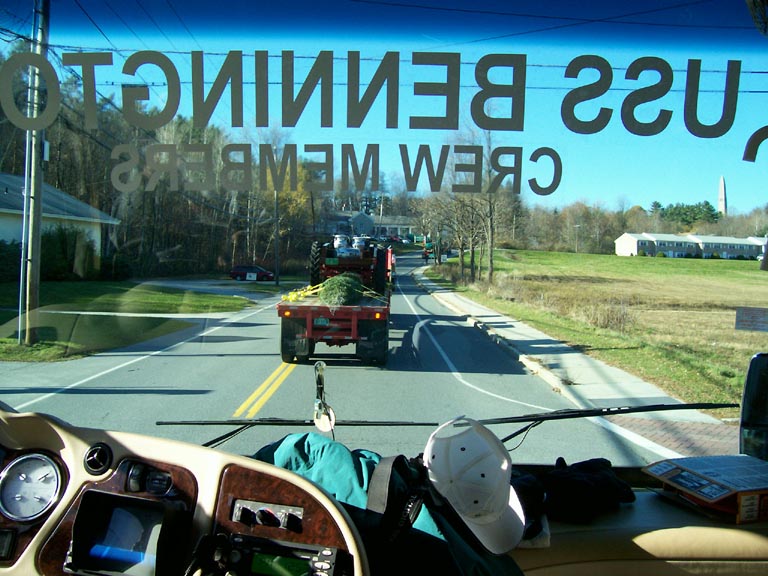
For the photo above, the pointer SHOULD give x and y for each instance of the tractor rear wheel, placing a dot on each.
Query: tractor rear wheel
(314, 264)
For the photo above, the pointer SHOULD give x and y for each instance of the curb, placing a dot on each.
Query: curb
(536, 367)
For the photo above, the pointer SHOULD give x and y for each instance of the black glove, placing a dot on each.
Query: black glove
(582, 491)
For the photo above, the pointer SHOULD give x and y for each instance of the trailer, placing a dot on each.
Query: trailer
(306, 319)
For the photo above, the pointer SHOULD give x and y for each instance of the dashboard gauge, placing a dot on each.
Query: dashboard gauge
(29, 486)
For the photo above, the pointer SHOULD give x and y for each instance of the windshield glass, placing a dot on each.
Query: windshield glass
(559, 206)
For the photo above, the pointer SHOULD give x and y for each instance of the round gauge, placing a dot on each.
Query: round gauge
(29, 486)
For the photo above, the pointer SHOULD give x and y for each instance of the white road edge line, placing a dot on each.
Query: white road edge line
(616, 429)
(139, 359)
(454, 371)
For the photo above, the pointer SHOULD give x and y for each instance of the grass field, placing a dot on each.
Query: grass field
(80, 318)
(668, 321)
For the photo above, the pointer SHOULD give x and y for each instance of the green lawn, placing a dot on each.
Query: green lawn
(79, 318)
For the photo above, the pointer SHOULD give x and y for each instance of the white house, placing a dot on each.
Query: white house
(340, 222)
(688, 245)
(402, 226)
(58, 208)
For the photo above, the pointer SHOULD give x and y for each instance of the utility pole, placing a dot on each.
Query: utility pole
(33, 201)
(277, 219)
(277, 241)
(22, 326)
(381, 213)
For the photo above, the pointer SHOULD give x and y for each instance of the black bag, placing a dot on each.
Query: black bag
(398, 489)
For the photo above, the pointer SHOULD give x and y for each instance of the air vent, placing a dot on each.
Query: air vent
(98, 459)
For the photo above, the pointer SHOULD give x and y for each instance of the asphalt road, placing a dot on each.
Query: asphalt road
(228, 366)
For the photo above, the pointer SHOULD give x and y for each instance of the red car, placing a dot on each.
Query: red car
(250, 272)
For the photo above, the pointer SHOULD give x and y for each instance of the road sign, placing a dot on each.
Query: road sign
(752, 319)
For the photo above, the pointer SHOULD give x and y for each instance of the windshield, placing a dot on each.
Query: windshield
(561, 206)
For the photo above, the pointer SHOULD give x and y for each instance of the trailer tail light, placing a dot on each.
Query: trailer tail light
(377, 316)
(286, 313)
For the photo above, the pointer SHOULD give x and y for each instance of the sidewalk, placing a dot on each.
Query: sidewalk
(590, 383)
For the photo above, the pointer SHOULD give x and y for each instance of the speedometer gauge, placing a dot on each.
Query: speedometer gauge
(29, 486)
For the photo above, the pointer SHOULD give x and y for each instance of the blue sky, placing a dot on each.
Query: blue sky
(611, 168)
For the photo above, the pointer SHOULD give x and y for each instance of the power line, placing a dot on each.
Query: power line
(21, 23)
(194, 39)
(101, 31)
(14, 35)
(122, 20)
(151, 19)
(339, 58)
(95, 25)
(572, 20)
(344, 59)
(184, 25)
(607, 20)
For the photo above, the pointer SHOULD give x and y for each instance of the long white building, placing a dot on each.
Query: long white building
(689, 245)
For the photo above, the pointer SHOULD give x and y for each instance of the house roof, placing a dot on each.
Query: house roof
(633, 235)
(398, 220)
(56, 203)
(342, 216)
(727, 239)
(668, 237)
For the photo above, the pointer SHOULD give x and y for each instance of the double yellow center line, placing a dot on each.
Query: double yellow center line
(264, 392)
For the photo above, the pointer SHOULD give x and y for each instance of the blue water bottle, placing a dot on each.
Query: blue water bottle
(753, 439)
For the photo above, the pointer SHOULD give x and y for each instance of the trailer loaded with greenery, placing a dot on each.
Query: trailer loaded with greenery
(346, 302)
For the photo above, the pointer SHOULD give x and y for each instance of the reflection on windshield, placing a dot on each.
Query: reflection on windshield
(515, 153)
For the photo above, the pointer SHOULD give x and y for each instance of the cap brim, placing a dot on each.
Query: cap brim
(503, 534)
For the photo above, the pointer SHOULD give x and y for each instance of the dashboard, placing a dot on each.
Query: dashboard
(80, 501)
(86, 501)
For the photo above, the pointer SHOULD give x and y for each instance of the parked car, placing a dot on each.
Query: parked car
(250, 272)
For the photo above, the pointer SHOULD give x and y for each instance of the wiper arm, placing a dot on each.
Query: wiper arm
(290, 422)
(534, 419)
(243, 425)
(607, 411)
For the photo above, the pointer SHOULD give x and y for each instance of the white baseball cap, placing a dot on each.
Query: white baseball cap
(470, 467)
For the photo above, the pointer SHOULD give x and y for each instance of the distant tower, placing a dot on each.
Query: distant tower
(722, 201)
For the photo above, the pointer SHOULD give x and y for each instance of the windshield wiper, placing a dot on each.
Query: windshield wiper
(538, 418)
(324, 419)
